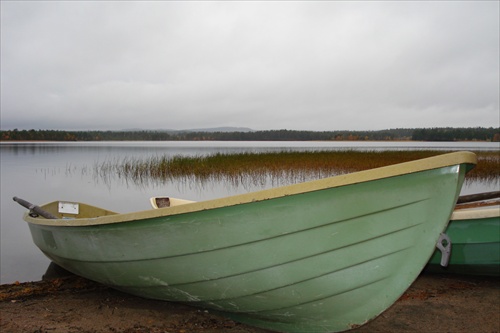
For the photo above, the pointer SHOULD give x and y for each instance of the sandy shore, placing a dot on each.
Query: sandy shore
(434, 303)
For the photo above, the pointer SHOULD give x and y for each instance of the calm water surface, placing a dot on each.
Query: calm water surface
(45, 172)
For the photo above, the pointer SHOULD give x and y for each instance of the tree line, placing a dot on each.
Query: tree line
(416, 134)
(456, 134)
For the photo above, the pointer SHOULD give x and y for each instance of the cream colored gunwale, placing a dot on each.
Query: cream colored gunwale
(430, 163)
(476, 213)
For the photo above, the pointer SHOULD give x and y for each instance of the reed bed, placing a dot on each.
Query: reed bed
(275, 168)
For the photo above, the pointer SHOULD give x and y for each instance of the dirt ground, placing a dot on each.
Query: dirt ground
(434, 303)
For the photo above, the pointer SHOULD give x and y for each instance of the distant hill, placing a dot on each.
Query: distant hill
(206, 130)
(219, 129)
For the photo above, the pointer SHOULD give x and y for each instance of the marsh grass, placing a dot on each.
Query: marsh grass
(275, 168)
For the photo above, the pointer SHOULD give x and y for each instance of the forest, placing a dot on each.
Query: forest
(400, 134)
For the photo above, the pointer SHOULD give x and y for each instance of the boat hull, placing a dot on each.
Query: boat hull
(475, 238)
(325, 260)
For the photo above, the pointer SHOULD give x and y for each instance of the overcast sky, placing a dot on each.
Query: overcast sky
(302, 65)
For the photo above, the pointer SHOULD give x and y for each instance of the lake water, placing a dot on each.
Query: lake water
(49, 171)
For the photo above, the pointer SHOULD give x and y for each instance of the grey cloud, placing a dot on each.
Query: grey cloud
(296, 65)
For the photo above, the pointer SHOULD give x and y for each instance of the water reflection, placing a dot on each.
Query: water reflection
(245, 180)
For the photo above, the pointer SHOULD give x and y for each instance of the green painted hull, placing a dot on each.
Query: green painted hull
(321, 256)
(475, 239)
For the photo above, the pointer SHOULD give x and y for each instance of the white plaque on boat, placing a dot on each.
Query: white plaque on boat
(68, 207)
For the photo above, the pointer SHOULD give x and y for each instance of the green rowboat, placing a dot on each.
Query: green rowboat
(321, 256)
(475, 237)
